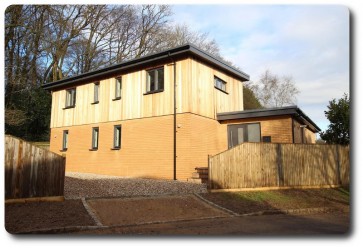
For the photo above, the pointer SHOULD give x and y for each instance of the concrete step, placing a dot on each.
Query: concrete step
(198, 175)
(202, 169)
(194, 180)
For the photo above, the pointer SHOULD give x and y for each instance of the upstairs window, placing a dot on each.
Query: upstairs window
(118, 88)
(96, 92)
(70, 98)
(155, 80)
(220, 84)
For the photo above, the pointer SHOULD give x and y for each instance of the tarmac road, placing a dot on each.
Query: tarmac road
(267, 225)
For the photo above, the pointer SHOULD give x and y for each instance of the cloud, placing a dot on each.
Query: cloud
(308, 42)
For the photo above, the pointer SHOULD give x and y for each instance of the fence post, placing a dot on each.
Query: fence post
(280, 175)
(338, 164)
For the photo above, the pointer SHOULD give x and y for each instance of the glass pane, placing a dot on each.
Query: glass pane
(95, 138)
(68, 98)
(65, 139)
(72, 101)
(240, 135)
(97, 86)
(151, 81)
(117, 137)
(253, 131)
(118, 88)
(160, 78)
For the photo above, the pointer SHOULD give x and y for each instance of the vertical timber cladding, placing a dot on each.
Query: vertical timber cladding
(195, 94)
(206, 100)
(309, 136)
(133, 103)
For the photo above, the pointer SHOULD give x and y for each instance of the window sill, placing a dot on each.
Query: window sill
(93, 149)
(94, 103)
(117, 98)
(221, 90)
(68, 107)
(153, 92)
(63, 150)
(116, 148)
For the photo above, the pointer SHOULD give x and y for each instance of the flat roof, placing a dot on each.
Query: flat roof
(187, 49)
(256, 113)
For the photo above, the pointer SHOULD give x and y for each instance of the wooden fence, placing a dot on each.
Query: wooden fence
(254, 165)
(31, 171)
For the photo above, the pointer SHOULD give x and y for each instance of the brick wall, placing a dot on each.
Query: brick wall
(146, 146)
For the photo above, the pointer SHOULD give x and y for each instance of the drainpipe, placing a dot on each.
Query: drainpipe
(174, 151)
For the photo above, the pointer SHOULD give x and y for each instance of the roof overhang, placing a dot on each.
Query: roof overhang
(184, 50)
(267, 112)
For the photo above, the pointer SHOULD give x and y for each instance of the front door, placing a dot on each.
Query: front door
(240, 133)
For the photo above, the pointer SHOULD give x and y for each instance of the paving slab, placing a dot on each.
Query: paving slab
(142, 210)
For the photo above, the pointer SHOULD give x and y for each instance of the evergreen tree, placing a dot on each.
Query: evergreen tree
(338, 115)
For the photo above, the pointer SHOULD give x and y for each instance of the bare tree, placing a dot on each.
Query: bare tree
(65, 24)
(274, 91)
(45, 43)
(180, 34)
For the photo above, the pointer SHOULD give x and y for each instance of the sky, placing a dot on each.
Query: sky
(308, 42)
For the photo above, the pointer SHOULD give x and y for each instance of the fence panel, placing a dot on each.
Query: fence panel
(31, 171)
(252, 165)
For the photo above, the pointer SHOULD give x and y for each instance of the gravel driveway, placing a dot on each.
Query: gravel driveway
(79, 185)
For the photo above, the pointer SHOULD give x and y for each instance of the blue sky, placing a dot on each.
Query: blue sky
(308, 42)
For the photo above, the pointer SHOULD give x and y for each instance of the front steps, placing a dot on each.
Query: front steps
(200, 175)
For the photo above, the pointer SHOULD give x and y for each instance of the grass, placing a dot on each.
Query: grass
(254, 201)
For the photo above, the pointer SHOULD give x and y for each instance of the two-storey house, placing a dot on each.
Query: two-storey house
(161, 115)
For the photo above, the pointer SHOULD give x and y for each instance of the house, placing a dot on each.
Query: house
(160, 116)
(278, 125)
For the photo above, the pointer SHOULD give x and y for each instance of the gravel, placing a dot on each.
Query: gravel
(78, 185)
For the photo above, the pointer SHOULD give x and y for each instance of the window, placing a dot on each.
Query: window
(95, 136)
(65, 140)
(240, 133)
(155, 80)
(117, 137)
(70, 98)
(118, 88)
(96, 92)
(220, 84)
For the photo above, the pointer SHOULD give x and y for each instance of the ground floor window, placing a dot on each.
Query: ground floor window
(239, 133)
(65, 140)
(117, 137)
(95, 137)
